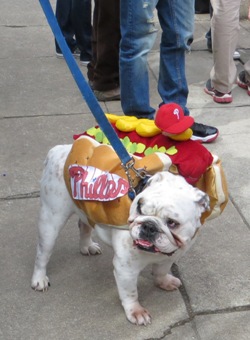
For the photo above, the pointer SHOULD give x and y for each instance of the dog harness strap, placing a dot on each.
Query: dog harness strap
(83, 86)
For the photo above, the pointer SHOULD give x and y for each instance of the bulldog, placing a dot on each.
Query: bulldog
(162, 224)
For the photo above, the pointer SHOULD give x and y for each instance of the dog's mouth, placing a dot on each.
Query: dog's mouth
(149, 247)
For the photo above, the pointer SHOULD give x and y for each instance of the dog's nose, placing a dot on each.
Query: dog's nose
(148, 230)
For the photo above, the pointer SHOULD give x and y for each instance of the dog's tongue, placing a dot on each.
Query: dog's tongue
(143, 243)
(146, 245)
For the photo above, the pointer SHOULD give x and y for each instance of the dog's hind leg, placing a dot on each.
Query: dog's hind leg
(49, 227)
(56, 208)
(87, 246)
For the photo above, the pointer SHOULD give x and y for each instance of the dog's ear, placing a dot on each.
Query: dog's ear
(202, 199)
(134, 209)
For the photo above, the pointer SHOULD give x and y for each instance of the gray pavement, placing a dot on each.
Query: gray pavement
(40, 107)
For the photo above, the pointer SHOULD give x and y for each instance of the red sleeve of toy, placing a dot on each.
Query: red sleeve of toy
(192, 160)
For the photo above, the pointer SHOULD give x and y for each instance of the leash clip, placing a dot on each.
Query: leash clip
(141, 173)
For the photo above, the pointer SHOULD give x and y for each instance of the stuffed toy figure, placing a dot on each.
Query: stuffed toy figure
(169, 134)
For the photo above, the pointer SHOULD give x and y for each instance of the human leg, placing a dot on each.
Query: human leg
(225, 30)
(138, 33)
(209, 40)
(176, 40)
(247, 70)
(63, 13)
(91, 65)
(243, 79)
(103, 72)
(81, 21)
(208, 35)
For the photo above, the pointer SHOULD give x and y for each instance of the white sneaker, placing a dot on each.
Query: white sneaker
(236, 55)
(84, 62)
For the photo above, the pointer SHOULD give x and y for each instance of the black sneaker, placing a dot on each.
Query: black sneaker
(204, 133)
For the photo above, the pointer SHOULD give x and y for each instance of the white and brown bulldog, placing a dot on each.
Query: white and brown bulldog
(156, 228)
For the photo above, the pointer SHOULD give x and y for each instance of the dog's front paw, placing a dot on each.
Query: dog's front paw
(168, 282)
(90, 249)
(138, 315)
(40, 284)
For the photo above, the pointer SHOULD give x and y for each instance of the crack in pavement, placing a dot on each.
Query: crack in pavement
(205, 312)
(192, 314)
(239, 211)
(34, 194)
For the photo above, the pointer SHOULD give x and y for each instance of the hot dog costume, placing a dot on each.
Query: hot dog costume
(104, 198)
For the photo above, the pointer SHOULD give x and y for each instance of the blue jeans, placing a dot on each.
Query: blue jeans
(138, 34)
(74, 19)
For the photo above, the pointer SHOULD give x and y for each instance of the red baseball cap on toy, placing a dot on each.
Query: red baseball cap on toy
(170, 118)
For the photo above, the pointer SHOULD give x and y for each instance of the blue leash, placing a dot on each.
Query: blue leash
(88, 95)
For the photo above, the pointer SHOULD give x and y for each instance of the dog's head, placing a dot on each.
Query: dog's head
(165, 216)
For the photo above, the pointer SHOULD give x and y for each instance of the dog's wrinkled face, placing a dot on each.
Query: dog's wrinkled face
(165, 216)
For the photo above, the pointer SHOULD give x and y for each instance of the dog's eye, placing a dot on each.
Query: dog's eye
(172, 224)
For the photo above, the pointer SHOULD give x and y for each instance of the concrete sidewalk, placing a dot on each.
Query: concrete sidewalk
(40, 107)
